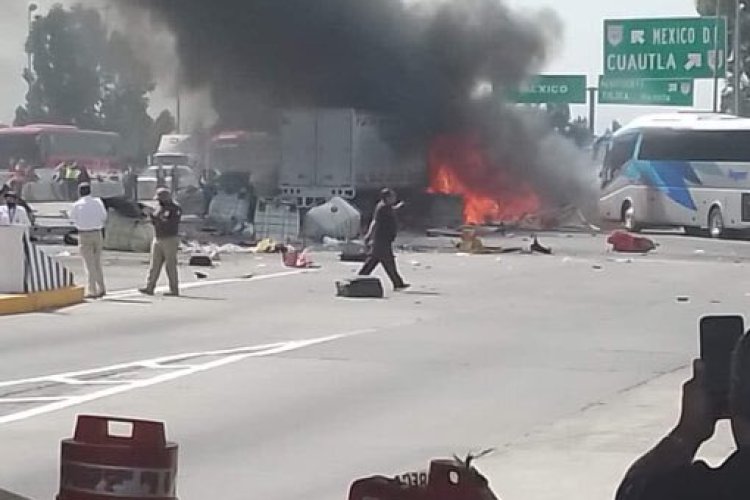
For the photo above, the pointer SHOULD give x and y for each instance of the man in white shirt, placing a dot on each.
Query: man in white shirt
(13, 214)
(90, 216)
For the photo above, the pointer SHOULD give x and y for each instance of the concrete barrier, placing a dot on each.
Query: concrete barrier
(30, 280)
(40, 301)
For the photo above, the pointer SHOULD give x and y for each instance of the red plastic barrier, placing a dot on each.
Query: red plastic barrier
(622, 241)
(99, 465)
(446, 480)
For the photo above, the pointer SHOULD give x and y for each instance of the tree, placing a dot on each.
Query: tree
(727, 8)
(64, 86)
(84, 75)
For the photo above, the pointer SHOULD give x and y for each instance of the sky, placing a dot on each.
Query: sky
(580, 51)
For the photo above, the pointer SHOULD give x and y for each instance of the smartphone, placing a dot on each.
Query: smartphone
(719, 336)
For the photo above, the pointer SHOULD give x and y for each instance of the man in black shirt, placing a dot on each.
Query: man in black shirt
(380, 237)
(669, 472)
(166, 220)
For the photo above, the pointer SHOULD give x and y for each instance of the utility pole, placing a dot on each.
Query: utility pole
(737, 80)
(32, 8)
(592, 108)
(716, 57)
(179, 108)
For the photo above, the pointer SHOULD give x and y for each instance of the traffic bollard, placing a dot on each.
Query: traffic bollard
(99, 463)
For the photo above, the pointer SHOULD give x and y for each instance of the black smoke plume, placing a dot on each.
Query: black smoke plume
(421, 61)
(416, 60)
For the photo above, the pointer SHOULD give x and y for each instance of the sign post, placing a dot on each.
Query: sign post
(637, 91)
(689, 48)
(558, 89)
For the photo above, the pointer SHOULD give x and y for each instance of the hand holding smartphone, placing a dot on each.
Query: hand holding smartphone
(719, 336)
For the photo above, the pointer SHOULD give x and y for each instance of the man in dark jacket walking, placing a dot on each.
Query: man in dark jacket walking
(380, 237)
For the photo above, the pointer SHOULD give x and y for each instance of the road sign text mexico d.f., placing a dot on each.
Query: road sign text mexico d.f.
(542, 89)
(665, 48)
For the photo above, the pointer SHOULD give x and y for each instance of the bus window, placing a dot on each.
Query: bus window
(16, 147)
(695, 145)
(619, 153)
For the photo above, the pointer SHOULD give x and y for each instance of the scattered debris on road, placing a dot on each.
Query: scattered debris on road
(539, 248)
(625, 242)
(298, 259)
(200, 261)
(361, 287)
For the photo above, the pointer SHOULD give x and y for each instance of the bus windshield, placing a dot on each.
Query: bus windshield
(15, 147)
(695, 145)
(83, 144)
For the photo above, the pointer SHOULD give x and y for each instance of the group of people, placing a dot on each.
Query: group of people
(89, 215)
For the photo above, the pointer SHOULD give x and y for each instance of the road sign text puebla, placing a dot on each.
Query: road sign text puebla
(637, 91)
(665, 48)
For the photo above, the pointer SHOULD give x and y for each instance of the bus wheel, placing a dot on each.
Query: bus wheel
(628, 217)
(716, 223)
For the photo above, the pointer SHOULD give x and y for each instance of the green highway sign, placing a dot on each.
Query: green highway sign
(691, 47)
(542, 89)
(637, 91)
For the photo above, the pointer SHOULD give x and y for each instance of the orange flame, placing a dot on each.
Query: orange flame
(460, 166)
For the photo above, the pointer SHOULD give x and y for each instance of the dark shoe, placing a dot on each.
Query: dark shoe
(402, 287)
(146, 291)
(171, 294)
(101, 295)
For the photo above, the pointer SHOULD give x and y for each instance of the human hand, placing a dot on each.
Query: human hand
(697, 419)
(398, 205)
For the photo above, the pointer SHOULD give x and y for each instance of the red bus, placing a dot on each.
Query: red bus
(46, 146)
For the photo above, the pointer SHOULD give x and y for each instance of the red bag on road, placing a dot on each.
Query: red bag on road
(623, 241)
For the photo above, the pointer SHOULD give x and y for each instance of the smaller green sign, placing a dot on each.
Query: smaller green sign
(543, 89)
(644, 92)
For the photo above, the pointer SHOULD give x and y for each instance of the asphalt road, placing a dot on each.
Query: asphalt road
(276, 389)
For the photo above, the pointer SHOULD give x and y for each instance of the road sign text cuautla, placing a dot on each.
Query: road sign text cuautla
(693, 47)
(542, 89)
(638, 91)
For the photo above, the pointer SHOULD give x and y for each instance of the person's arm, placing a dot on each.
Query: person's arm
(677, 449)
(373, 224)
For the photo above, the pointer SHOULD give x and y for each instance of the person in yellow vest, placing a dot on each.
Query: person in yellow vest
(67, 173)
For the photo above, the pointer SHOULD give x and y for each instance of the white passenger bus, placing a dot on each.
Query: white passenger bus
(688, 170)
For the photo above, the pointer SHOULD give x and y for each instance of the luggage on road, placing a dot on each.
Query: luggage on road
(360, 288)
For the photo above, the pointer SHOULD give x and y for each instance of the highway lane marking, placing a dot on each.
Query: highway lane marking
(133, 292)
(168, 373)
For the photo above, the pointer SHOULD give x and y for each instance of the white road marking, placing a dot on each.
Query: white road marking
(121, 294)
(225, 357)
(40, 399)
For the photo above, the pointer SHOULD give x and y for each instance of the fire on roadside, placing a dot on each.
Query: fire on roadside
(458, 165)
